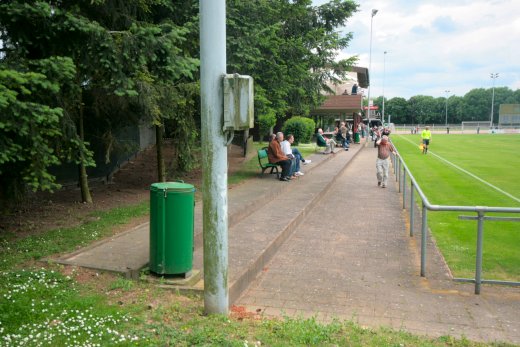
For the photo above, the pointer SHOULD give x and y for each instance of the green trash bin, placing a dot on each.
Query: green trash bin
(356, 138)
(171, 228)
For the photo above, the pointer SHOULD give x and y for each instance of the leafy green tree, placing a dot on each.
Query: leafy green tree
(422, 109)
(398, 109)
(115, 46)
(477, 105)
(289, 48)
(455, 109)
(266, 122)
(301, 127)
(30, 129)
(474, 106)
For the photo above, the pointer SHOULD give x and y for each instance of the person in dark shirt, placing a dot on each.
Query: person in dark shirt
(354, 89)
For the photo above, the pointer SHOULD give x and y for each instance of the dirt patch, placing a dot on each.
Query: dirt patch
(61, 209)
(241, 313)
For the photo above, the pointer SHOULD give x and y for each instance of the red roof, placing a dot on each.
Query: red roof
(340, 104)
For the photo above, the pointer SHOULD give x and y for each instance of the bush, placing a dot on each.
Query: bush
(301, 127)
(266, 122)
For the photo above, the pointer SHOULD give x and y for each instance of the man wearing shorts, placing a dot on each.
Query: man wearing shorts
(426, 136)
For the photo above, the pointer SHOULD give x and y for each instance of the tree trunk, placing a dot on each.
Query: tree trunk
(161, 171)
(83, 181)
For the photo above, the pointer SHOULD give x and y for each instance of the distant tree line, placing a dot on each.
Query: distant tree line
(74, 72)
(474, 106)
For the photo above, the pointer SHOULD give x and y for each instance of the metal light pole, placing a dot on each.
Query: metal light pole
(446, 91)
(493, 77)
(384, 73)
(214, 155)
(374, 11)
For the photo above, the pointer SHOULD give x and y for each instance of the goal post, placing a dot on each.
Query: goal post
(474, 125)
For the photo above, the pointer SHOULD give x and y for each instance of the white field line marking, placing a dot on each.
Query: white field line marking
(468, 173)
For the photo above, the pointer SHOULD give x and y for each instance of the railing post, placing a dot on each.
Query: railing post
(480, 241)
(404, 188)
(412, 207)
(423, 240)
(397, 169)
(397, 159)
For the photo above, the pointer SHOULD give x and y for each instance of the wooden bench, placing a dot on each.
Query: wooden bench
(264, 163)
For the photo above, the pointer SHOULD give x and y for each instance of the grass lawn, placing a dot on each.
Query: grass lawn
(492, 158)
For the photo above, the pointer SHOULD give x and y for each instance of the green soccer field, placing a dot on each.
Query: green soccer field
(470, 170)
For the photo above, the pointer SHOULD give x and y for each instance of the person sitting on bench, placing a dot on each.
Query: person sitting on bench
(293, 154)
(322, 141)
(276, 156)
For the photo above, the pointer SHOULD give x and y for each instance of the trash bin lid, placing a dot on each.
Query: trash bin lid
(179, 187)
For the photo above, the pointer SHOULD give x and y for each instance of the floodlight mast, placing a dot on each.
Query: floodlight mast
(493, 77)
(447, 92)
(384, 75)
(374, 11)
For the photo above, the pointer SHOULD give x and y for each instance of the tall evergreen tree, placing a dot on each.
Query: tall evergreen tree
(115, 47)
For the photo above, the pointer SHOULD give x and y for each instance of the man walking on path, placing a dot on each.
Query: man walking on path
(383, 160)
(426, 136)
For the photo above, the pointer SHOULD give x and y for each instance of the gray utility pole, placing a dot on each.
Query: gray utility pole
(374, 11)
(384, 74)
(447, 92)
(214, 155)
(493, 75)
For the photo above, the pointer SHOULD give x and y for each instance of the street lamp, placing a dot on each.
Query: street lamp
(374, 11)
(493, 77)
(384, 73)
(446, 91)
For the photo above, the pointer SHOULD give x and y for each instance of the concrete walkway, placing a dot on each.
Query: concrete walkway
(332, 244)
(353, 258)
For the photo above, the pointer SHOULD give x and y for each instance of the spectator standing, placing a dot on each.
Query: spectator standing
(344, 135)
(376, 135)
(276, 156)
(356, 128)
(354, 89)
(383, 160)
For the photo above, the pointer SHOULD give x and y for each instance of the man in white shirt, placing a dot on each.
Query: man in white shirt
(293, 154)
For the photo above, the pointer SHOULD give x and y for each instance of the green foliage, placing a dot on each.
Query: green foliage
(110, 46)
(474, 106)
(285, 46)
(301, 127)
(180, 108)
(123, 284)
(305, 332)
(266, 122)
(29, 128)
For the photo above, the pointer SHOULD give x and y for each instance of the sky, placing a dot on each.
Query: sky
(434, 46)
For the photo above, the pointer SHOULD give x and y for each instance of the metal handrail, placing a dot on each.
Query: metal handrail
(426, 205)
